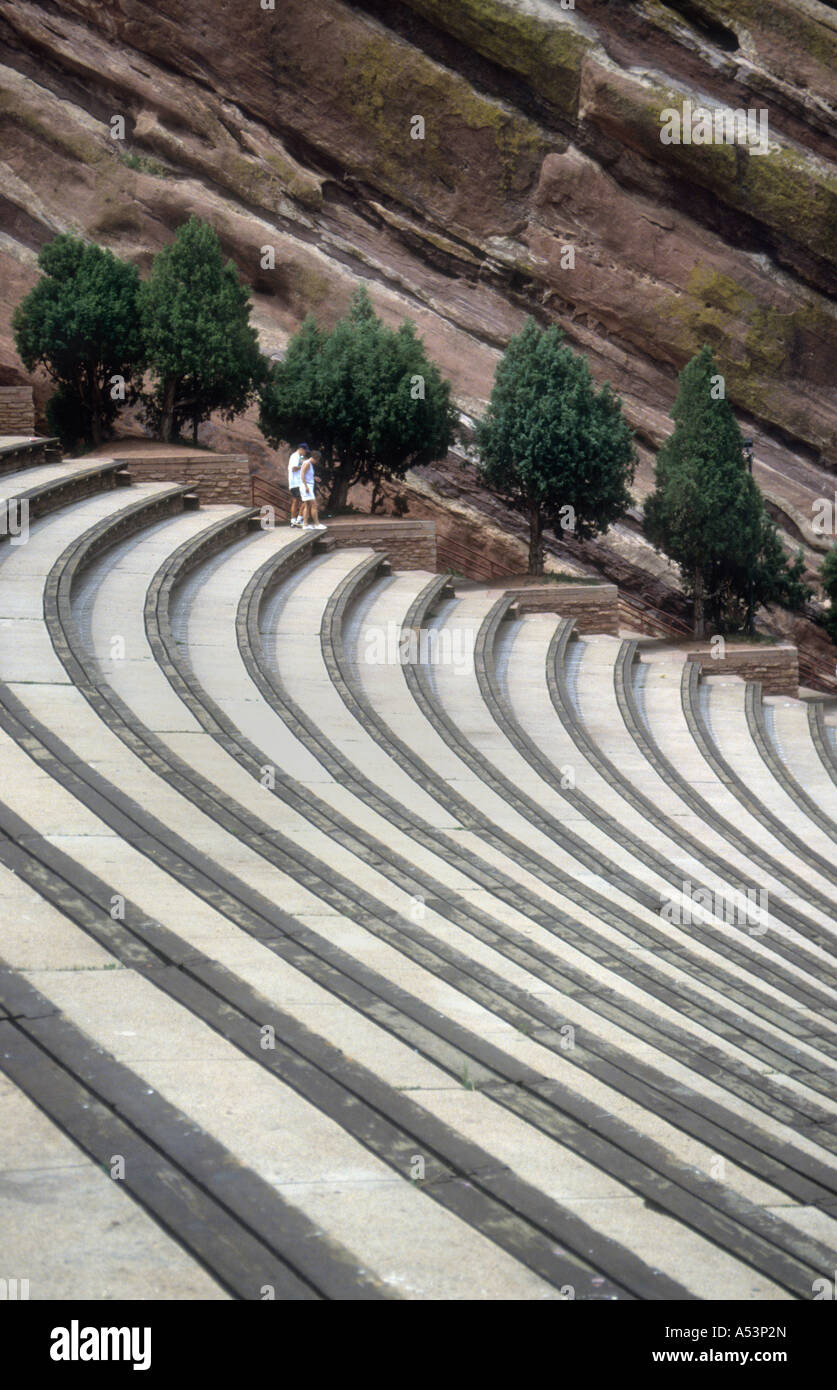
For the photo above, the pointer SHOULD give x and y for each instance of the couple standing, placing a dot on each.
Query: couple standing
(302, 487)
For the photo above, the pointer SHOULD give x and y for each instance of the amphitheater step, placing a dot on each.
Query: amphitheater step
(25, 451)
(737, 766)
(550, 737)
(57, 1201)
(124, 775)
(789, 730)
(722, 710)
(636, 716)
(310, 905)
(203, 589)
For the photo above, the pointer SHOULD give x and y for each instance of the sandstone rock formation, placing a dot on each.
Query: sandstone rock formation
(292, 127)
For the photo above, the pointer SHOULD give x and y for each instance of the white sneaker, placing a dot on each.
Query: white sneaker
(320, 526)
(309, 526)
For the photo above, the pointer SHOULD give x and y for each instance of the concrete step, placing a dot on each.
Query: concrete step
(688, 795)
(555, 747)
(209, 601)
(206, 598)
(722, 707)
(70, 1230)
(21, 451)
(45, 488)
(392, 687)
(123, 773)
(130, 780)
(23, 483)
(789, 730)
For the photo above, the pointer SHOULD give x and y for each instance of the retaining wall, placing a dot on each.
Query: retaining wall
(410, 545)
(17, 410)
(216, 477)
(776, 667)
(595, 607)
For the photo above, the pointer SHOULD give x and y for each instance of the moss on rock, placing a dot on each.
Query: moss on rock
(547, 52)
(305, 188)
(115, 216)
(77, 144)
(387, 83)
(796, 196)
(792, 193)
(755, 343)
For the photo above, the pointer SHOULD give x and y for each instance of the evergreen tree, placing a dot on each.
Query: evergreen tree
(202, 353)
(828, 576)
(80, 323)
(707, 514)
(69, 420)
(367, 394)
(551, 445)
(736, 591)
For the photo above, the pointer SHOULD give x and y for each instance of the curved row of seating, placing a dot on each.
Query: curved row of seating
(824, 736)
(383, 902)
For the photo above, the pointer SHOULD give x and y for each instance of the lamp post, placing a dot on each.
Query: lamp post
(748, 458)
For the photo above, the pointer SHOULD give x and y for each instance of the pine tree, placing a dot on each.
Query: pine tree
(367, 394)
(706, 512)
(202, 352)
(552, 446)
(81, 324)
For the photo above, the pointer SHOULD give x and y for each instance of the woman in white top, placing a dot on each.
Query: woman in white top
(307, 492)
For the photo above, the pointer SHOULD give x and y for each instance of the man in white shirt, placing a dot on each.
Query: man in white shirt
(294, 469)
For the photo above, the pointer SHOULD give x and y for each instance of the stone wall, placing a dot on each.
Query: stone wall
(470, 546)
(215, 477)
(410, 545)
(17, 410)
(475, 549)
(595, 607)
(776, 667)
